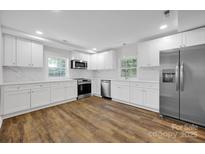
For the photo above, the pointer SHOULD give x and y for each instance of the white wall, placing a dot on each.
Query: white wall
(16, 74)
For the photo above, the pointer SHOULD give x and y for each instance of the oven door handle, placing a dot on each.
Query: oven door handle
(84, 83)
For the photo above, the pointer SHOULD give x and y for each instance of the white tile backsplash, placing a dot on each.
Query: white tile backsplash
(16, 74)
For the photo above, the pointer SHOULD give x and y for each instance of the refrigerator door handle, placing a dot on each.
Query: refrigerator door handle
(177, 76)
(182, 76)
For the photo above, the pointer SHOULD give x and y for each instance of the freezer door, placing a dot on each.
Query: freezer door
(169, 83)
(192, 98)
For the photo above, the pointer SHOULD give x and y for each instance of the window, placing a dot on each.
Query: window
(57, 67)
(128, 67)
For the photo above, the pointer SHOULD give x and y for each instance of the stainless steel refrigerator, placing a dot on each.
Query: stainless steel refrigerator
(182, 84)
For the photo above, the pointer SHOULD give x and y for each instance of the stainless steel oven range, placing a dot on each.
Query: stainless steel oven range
(84, 87)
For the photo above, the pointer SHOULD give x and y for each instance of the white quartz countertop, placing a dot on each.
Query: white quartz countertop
(34, 82)
(63, 80)
(128, 80)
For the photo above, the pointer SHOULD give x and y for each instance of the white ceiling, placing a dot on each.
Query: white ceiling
(92, 29)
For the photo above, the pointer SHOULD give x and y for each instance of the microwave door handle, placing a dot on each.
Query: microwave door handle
(177, 76)
(182, 76)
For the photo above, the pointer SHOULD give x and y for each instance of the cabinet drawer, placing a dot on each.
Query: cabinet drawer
(121, 83)
(16, 88)
(136, 84)
(64, 84)
(42, 85)
(57, 84)
(70, 84)
(151, 85)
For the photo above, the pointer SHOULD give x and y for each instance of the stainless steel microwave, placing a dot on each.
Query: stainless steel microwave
(78, 64)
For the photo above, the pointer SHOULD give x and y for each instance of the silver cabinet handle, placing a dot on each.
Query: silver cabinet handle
(177, 76)
(182, 76)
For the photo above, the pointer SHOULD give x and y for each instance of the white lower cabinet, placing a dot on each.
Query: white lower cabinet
(120, 90)
(145, 95)
(24, 98)
(152, 99)
(15, 101)
(57, 94)
(96, 87)
(70, 92)
(63, 91)
(137, 96)
(123, 93)
(40, 97)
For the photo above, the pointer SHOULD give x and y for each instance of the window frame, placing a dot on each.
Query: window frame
(66, 67)
(127, 68)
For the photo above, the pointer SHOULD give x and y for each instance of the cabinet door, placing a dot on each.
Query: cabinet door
(23, 53)
(170, 42)
(93, 62)
(136, 96)
(70, 92)
(123, 93)
(143, 54)
(152, 98)
(94, 86)
(15, 101)
(153, 53)
(100, 61)
(107, 62)
(37, 55)
(195, 37)
(115, 90)
(9, 50)
(57, 94)
(40, 97)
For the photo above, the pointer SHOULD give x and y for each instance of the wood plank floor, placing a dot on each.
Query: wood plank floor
(95, 119)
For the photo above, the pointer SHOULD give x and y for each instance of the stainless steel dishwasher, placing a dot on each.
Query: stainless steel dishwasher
(106, 88)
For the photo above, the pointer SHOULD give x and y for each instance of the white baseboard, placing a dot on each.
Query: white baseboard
(138, 106)
(1, 121)
(35, 109)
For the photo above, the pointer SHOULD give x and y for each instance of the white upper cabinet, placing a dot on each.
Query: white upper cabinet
(103, 61)
(194, 37)
(100, 61)
(22, 52)
(170, 42)
(9, 50)
(93, 62)
(148, 54)
(37, 55)
(110, 60)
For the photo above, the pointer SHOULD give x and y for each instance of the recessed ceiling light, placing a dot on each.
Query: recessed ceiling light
(163, 26)
(39, 32)
(94, 49)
